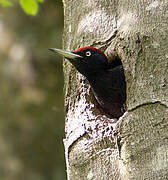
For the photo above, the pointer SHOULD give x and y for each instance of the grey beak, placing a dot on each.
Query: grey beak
(66, 54)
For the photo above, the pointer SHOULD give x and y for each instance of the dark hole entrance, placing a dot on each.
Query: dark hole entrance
(115, 62)
(119, 83)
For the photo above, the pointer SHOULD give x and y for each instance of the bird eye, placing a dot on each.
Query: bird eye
(88, 53)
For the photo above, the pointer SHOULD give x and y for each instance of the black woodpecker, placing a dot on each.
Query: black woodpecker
(107, 80)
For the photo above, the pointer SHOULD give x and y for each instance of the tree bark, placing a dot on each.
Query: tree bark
(137, 32)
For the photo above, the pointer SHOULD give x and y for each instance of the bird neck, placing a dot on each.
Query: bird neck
(94, 76)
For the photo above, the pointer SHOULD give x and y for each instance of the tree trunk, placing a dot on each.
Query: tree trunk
(137, 31)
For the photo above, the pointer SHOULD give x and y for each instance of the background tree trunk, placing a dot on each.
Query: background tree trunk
(137, 31)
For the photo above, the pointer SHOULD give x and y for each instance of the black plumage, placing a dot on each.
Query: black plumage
(107, 80)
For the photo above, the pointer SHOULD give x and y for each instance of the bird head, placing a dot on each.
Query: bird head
(87, 60)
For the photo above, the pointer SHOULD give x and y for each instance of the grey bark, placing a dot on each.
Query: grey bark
(137, 32)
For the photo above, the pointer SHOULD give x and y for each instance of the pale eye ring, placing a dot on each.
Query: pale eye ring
(88, 53)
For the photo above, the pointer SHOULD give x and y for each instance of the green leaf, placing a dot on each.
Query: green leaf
(30, 6)
(5, 3)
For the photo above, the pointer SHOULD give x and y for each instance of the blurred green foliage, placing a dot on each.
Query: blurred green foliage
(5, 3)
(29, 6)
(31, 94)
